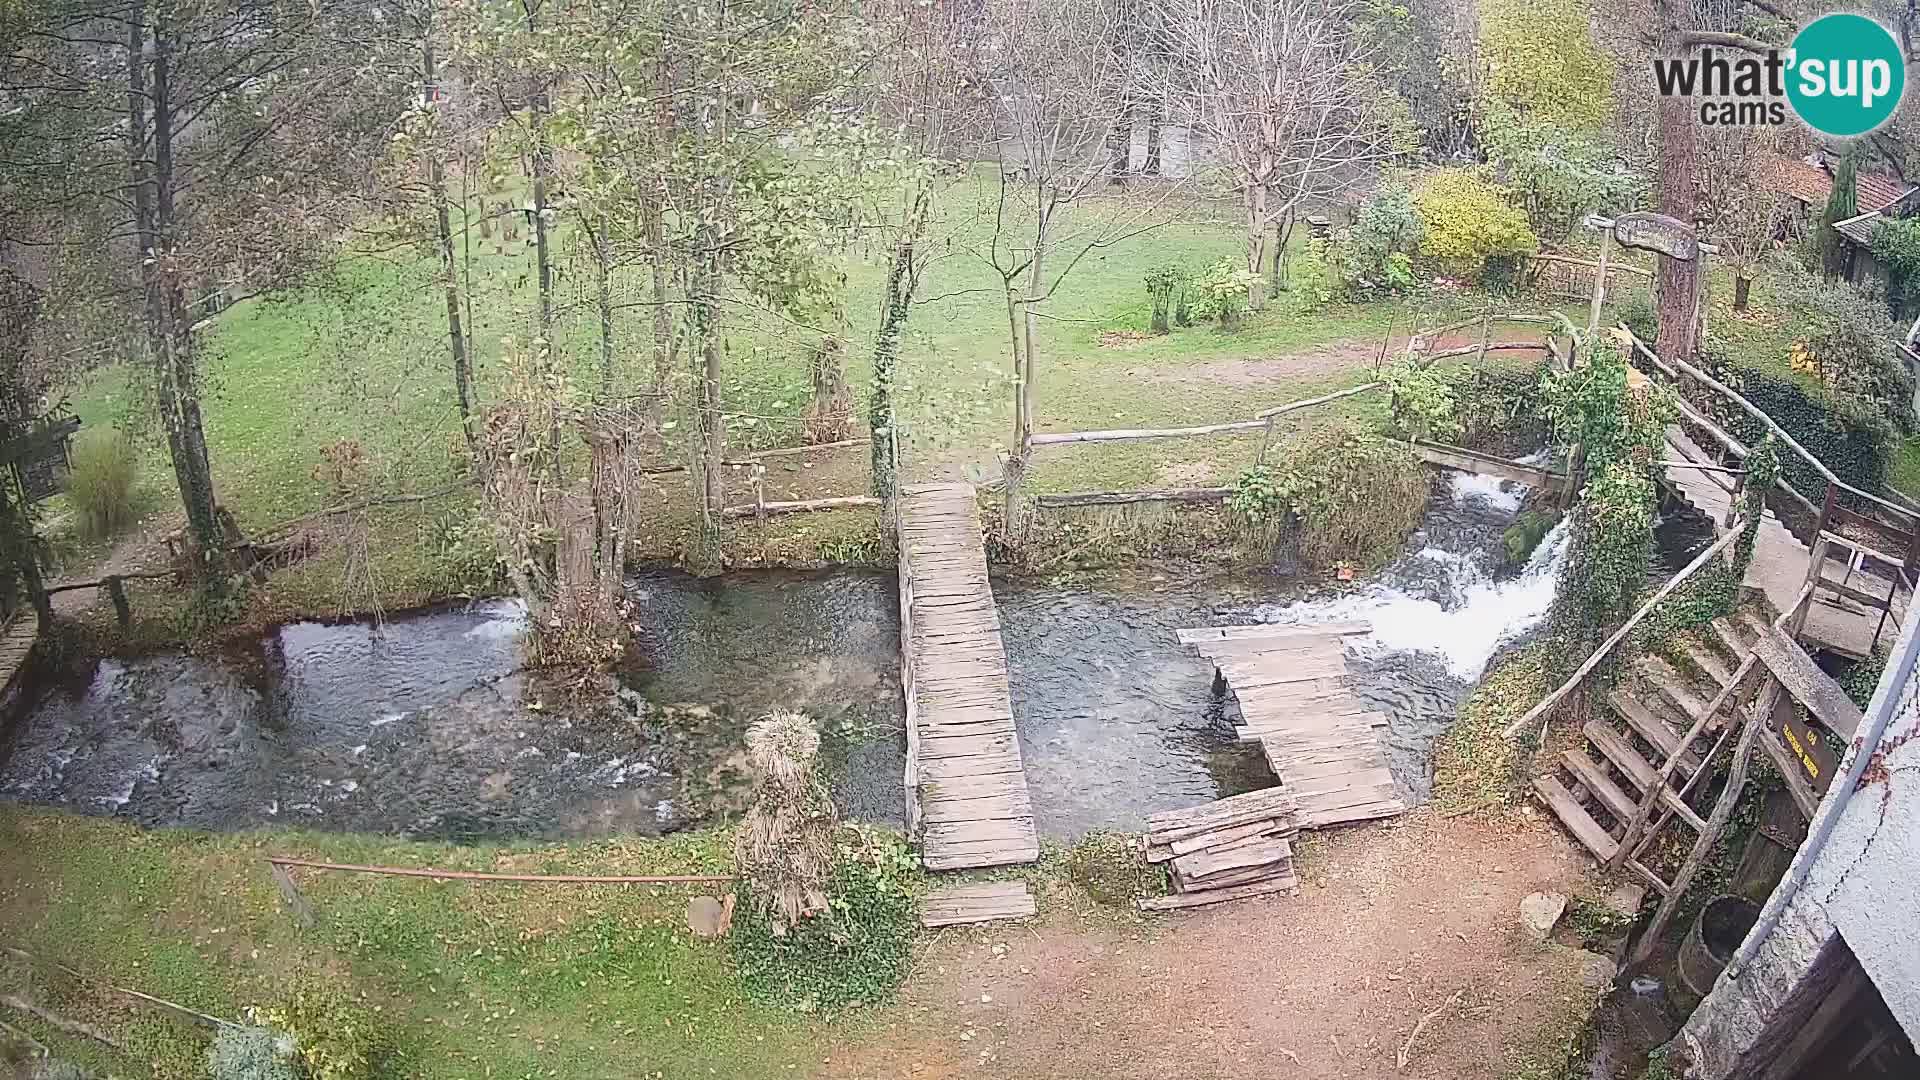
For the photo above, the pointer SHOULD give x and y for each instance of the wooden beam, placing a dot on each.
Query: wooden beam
(1807, 684)
(844, 502)
(1455, 457)
(1124, 498)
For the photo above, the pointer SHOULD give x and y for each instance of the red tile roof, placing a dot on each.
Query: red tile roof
(1811, 184)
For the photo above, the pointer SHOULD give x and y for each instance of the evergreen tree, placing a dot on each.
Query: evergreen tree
(1842, 204)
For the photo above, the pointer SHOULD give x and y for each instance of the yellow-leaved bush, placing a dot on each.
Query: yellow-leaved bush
(1466, 220)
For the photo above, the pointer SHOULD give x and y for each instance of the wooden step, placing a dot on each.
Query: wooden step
(1658, 733)
(1736, 642)
(1593, 776)
(1710, 662)
(1637, 769)
(1677, 688)
(985, 901)
(1575, 818)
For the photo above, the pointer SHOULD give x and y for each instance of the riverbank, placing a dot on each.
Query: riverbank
(608, 981)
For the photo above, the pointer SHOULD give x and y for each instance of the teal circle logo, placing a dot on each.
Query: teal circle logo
(1845, 75)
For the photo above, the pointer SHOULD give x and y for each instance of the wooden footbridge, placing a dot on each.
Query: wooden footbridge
(1321, 741)
(967, 793)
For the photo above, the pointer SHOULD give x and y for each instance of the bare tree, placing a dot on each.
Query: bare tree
(1058, 79)
(1286, 95)
(1741, 204)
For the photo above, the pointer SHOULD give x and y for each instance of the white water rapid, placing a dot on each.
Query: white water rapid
(1448, 603)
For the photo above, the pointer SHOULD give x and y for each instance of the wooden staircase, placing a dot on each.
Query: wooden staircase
(1596, 789)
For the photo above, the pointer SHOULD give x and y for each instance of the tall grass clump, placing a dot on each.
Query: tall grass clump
(784, 850)
(100, 486)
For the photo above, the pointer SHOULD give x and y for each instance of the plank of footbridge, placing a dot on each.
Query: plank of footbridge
(975, 809)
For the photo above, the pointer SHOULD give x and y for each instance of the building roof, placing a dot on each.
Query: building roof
(1859, 228)
(1812, 183)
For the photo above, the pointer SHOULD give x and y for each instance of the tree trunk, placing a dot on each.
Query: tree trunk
(456, 337)
(23, 547)
(1256, 199)
(1151, 166)
(1742, 284)
(886, 364)
(601, 240)
(1120, 147)
(656, 229)
(1282, 234)
(1016, 462)
(1674, 286)
(168, 329)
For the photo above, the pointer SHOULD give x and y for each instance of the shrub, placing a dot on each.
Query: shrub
(1221, 291)
(1846, 433)
(464, 552)
(101, 483)
(1499, 407)
(1163, 283)
(1896, 246)
(1475, 766)
(859, 951)
(252, 1053)
(1466, 221)
(335, 1036)
(1350, 496)
(1375, 254)
(1423, 405)
(1636, 310)
(1312, 277)
(1842, 337)
(1113, 869)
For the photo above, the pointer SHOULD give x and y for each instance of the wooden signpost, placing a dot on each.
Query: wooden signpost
(1644, 230)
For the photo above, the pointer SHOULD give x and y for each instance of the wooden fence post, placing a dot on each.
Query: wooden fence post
(117, 590)
(1600, 281)
(760, 493)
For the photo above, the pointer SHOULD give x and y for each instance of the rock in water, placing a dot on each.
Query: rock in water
(1540, 912)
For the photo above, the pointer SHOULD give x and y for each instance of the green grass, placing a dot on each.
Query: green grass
(471, 979)
(363, 356)
(1905, 476)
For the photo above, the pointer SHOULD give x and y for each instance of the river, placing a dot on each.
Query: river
(425, 726)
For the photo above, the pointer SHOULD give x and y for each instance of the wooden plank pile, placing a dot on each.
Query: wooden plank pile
(1226, 850)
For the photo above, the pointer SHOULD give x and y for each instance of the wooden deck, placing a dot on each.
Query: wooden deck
(1321, 741)
(986, 901)
(1780, 562)
(966, 788)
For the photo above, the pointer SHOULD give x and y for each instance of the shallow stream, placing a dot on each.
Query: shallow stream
(426, 727)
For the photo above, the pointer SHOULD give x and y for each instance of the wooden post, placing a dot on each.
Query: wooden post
(760, 493)
(1733, 504)
(1266, 442)
(117, 590)
(1486, 331)
(1600, 282)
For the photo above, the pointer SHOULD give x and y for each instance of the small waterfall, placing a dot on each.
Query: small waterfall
(1449, 602)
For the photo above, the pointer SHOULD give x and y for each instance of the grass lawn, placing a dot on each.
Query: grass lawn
(363, 357)
(470, 979)
(1905, 476)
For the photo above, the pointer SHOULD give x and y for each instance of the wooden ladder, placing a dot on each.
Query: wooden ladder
(1619, 791)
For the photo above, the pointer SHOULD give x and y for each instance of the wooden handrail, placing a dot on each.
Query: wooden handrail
(1780, 433)
(1619, 635)
(1260, 421)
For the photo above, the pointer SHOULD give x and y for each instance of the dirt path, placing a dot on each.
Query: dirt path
(1392, 922)
(140, 550)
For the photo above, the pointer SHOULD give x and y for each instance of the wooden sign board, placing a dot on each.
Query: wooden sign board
(1805, 745)
(1657, 232)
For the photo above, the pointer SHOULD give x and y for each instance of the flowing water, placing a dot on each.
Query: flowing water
(427, 727)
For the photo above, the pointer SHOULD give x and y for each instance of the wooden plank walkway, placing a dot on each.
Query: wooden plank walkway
(1320, 740)
(1779, 566)
(16, 644)
(966, 787)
